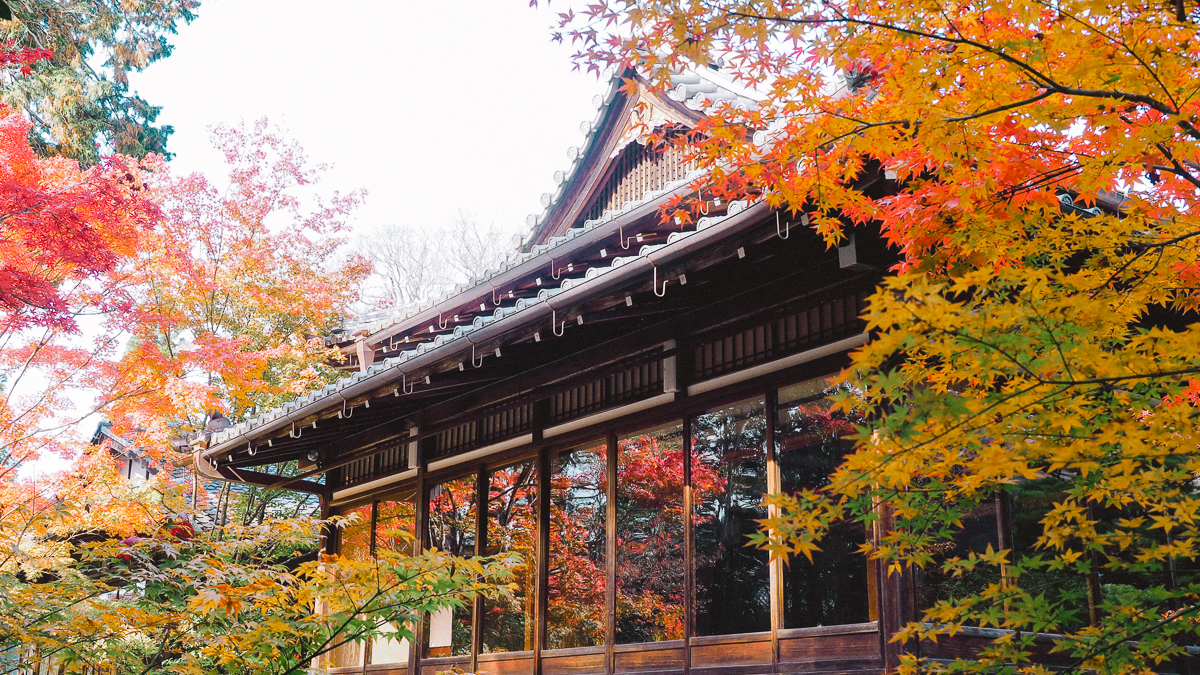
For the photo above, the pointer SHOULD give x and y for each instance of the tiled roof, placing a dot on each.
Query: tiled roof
(447, 342)
(698, 90)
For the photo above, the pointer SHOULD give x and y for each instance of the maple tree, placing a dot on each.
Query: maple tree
(1036, 165)
(127, 585)
(78, 97)
(235, 284)
(102, 271)
(67, 235)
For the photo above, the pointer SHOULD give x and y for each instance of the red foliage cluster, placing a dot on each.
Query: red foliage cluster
(11, 55)
(61, 226)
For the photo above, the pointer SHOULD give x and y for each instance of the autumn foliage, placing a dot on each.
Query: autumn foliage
(156, 300)
(1036, 166)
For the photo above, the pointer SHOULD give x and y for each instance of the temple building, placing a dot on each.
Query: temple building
(612, 403)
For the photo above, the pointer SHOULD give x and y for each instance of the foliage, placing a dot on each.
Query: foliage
(1033, 330)
(123, 252)
(233, 600)
(78, 97)
(68, 234)
(235, 284)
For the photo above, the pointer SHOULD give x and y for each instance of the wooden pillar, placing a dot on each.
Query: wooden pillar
(421, 531)
(774, 485)
(610, 558)
(542, 594)
(325, 537)
(482, 487)
(891, 597)
(1004, 534)
(369, 645)
(689, 558)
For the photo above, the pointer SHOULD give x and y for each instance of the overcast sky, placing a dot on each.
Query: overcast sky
(431, 106)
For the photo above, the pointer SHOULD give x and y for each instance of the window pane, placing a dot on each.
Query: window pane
(356, 537)
(729, 480)
(650, 536)
(1062, 588)
(979, 531)
(394, 521)
(508, 623)
(355, 544)
(578, 513)
(809, 445)
(452, 529)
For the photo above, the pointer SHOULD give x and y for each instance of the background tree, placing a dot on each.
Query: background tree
(235, 287)
(413, 265)
(1033, 332)
(78, 100)
(405, 271)
(235, 284)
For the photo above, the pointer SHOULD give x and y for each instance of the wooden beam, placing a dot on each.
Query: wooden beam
(482, 492)
(271, 481)
(542, 609)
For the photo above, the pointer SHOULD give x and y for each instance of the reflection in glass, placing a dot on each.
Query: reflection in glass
(508, 622)
(356, 534)
(451, 529)
(809, 445)
(729, 480)
(354, 543)
(578, 506)
(650, 562)
(1032, 501)
(979, 531)
(394, 522)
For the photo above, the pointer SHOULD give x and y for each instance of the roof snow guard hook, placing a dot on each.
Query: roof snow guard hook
(293, 433)
(654, 281)
(473, 363)
(787, 228)
(554, 322)
(404, 387)
(554, 276)
(250, 448)
(344, 414)
(442, 324)
(495, 302)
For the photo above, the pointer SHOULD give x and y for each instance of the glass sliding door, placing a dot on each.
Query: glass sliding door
(452, 513)
(578, 517)
(508, 623)
(395, 518)
(809, 445)
(729, 480)
(354, 534)
(354, 543)
(650, 542)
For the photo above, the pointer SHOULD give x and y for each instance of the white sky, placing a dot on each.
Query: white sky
(432, 107)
